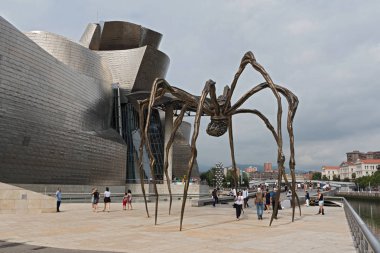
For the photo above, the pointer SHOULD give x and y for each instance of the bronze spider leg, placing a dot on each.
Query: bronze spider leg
(177, 123)
(231, 138)
(250, 58)
(292, 107)
(210, 85)
(142, 106)
(159, 88)
(153, 97)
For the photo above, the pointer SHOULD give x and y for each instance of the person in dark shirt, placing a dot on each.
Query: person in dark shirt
(321, 202)
(307, 198)
(273, 200)
(267, 200)
(215, 197)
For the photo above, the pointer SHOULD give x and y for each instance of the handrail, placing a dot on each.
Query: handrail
(364, 239)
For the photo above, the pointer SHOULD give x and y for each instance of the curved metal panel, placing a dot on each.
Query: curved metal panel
(91, 37)
(136, 69)
(119, 35)
(55, 116)
(75, 56)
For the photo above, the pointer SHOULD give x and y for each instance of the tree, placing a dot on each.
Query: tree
(363, 182)
(353, 175)
(208, 176)
(325, 178)
(245, 180)
(317, 176)
(336, 178)
(229, 179)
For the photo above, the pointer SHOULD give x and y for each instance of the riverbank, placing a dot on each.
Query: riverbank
(360, 195)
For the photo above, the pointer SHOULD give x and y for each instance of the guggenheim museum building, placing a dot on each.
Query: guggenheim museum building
(68, 109)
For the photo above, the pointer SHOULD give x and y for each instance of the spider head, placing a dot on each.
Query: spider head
(217, 127)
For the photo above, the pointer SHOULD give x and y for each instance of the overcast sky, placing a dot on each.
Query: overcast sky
(326, 52)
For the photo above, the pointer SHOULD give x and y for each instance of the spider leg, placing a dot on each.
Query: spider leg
(159, 88)
(249, 58)
(197, 122)
(292, 107)
(273, 131)
(152, 100)
(231, 139)
(176, 125)
(142, 106)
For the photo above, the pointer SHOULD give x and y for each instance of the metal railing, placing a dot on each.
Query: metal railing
(364, 240)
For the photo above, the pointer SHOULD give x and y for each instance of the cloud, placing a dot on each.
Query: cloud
(327, 53)
(301, 27)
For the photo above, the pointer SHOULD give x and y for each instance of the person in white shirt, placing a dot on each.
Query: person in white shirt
(107, 200)
(238, 205)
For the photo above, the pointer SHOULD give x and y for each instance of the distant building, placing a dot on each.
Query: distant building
(264, 175)
(330, 171)
(268, 167)
(355, 155)
(359, 164)
(250, 169)
(347, 170)
(366, 167)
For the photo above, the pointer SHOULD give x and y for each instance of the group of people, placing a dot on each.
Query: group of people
(320, 199)
(95, 196)
(262, 200)
(127, 200)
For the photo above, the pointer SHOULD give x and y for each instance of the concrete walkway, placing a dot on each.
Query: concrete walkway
(205, 229)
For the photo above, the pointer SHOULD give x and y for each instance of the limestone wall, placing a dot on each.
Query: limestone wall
(18, 200)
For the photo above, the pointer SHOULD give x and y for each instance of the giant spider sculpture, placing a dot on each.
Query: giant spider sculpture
(220, 111)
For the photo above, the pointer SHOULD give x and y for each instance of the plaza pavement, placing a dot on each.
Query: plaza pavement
(205, 229)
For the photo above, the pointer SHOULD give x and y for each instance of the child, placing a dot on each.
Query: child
(129, 199)
(125, 200)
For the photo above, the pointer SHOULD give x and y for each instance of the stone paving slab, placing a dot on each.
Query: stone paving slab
(205, 229)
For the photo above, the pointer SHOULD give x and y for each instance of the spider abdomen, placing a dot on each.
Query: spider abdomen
(217, 127)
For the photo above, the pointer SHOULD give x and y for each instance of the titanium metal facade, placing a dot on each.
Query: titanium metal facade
(58, 112)
(55, 111)
(182, 152)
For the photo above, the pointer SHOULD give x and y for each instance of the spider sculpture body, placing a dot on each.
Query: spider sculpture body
(220, 110)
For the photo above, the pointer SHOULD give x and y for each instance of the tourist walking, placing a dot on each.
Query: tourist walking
(273, 200)
(107, 200)
(321, 202)
(307, 198)
(259, 203)
(215, 197)
(58, 196)
(129, 199)
(245, 196)
(238, 204)
(95, 202)
(267, 200)
(92, 197)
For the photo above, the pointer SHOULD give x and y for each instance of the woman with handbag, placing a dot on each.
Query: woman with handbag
(239, 200)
